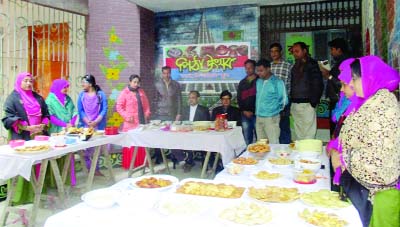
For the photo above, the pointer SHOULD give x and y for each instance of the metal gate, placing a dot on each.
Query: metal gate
(47, 42)
(277, 20)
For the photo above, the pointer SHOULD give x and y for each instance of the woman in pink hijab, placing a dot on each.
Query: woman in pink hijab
(369, 142)
(26, 115)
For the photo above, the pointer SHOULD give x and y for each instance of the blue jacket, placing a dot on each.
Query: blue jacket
(271, 97)
(102, 111)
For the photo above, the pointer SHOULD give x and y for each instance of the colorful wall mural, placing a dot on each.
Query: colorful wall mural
(111, 71)
(223, 26)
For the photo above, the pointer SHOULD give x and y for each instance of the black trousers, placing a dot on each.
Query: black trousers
(358, 195)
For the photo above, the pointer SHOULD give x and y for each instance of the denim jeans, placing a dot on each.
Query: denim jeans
(285, 136)
(249, 128)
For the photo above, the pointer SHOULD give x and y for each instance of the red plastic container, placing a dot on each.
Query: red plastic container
(111, 130)
(16, 143)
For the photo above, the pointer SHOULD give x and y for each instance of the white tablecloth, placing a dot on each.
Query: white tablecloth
(13, 164)
(140, 214)
(228, 143)
(287, 173)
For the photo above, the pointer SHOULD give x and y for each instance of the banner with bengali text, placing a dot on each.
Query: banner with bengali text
(214, 62)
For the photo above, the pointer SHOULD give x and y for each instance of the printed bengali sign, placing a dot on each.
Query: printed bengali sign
(207, 62)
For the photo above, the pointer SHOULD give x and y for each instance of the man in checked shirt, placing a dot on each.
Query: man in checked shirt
(281, 69)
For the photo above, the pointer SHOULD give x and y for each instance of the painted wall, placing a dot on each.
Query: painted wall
(120, 42)
(240, 24)
(381, 20)
(179, 27)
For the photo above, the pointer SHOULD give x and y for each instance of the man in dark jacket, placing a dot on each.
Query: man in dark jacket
(246, 99)
(195, 112)
(339, 50)
(232, 112)
(306, 91)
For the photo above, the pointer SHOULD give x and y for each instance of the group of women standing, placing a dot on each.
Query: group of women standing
(27, 114)
(366, 150)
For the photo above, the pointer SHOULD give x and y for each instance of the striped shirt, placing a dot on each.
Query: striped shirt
(282, 71)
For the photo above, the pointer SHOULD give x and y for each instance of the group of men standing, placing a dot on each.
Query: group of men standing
(266, 97)
(272, 91)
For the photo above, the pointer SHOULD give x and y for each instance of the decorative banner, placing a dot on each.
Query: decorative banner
(292, 38)
(207, 62)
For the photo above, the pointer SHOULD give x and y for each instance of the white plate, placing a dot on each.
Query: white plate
(173, 179)
(280, 166)
(138, 199)
(253, 177)
(33, 143)
(181, 206)
(245, 212)
(101, 198)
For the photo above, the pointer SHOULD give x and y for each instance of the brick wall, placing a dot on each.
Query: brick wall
(134, 26)
(147, 50)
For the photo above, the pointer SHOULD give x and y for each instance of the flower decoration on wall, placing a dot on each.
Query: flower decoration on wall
(116, 64)
(114, 94)
(116, 61)
(115, 120)
(112, 74)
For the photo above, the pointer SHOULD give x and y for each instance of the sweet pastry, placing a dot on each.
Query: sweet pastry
(210, 189)
(274, 194)
(153, 182)
(247, 214)
(323, 219)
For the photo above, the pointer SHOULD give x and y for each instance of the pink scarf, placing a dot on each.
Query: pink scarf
(31, 105)
(56, 88)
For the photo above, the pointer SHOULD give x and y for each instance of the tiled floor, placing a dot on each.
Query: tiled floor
(50, 205)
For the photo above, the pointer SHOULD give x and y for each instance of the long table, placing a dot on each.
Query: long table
(146, 211)
(16, 164)
(227, 144)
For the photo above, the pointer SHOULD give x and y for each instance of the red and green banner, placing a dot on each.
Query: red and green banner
(207, 62)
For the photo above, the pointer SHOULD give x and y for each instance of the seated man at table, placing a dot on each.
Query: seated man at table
(233, 113)
(194, 112)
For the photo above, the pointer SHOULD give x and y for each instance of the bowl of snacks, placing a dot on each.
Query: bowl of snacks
(304, 176)
(282, 152)
(308, 163)
(259, 150)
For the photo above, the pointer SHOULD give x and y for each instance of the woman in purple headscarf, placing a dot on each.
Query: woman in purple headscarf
(26, 115)
(369, 142)
(62, 115)
(60, 105)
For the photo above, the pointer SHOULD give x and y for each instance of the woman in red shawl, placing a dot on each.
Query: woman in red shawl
(26, 115)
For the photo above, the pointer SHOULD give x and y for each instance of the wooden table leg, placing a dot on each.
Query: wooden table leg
(165, 160)
(7, 206)
(205, 163)
(66, 167)
(93, 165)
(59, 181)
(133, 160)
(108, 162)
(214, 168)
(148, 157)
(38, 187)
(83, 161)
